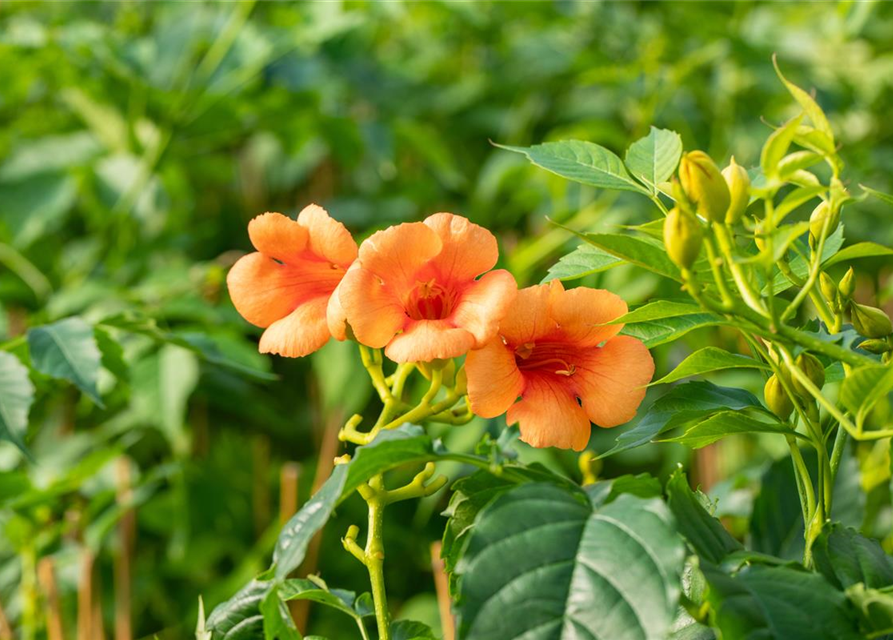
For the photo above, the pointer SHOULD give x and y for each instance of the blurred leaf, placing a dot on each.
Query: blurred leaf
(608, 572)
(411, 630)
(777, 146)
(778, 602)
(878, 194)
(654, 157)
(728, 423)
(16, 396)
(875, 610)
(32, 208)
(684, 403)
(856, 251)
(794, 199)
(67, 349)
(49, 154)
(105, 121)
(707, 360)
(704, 533)
(864, 387)
(580, 161)
(810, 106)
(846, 557)
(112, 354)
(582, 261)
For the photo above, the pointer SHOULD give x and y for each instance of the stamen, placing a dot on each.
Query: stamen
(571, 370)
(525, 350)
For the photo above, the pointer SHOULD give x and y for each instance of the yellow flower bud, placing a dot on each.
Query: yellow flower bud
(682, 237)
(461, 385)
(828, 289)
(876, 345)
(776, 399)
(847, 284)
(870, 322)
(739, 190)
(817, 219)
(812, 367)
(759, 237)
(704, 185)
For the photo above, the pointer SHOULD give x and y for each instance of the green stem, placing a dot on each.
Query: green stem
(718, 277)
(750, 297)
(374, 553)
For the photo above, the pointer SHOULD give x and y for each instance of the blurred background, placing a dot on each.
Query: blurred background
(138, 139)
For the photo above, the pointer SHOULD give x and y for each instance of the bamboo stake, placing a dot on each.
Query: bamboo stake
(122, 561)
(85, 596)
(47, 579)
(5, 629)
(442, 586)
(288, 491)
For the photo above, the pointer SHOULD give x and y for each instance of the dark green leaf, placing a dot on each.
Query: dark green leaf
(704, 533)
(574, 571)
(845, 557)
(727, 423)
(683, 404)
(16, 396)
(240, 618)
(654, 157)
(112, 354)
(67, 349)
(580, 161)
(874, 608)
(278, 623)
(707, 360)
(648, 254)
(411, 630)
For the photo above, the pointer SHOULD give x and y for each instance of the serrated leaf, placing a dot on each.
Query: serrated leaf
(778, 603)
(809, 105)
(574, 570)
(707, 360)
(878, 194)
(684, 403)
(67, 349)
(16, 396)
(654, 157)
(240, 618)
(845, 557)
(728, 423)
(648, 254)
(581, 262)
(858, 250)
(704, 533)
(580, 161)
(658, 310)
(659, 332)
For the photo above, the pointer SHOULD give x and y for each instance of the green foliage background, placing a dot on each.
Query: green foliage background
(137, 140)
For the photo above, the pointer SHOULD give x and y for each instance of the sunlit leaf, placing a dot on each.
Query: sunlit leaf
(807, 102)
(858, 250)
(710, 359)
(777, 146)
(726, 423)
(582, 261)
(658, 310)
(654, 157)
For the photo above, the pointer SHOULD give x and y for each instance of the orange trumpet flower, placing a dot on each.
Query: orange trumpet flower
(568, 367)
(286, 286)
(414, 290)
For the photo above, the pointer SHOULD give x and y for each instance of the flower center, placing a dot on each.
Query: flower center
(546, 358)
(430, 301)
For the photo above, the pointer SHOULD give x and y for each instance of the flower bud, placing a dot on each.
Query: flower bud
(461, 383)
(739, 190)
(759, 236)
(875, 345)
(817, 219)
(870, 322)
(776, 399)
(847, 284)
(828, 288)
(704, 185)
(682, 237)
(812, 367)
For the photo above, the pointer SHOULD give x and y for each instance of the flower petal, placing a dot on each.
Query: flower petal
(611, 380)
(580, 311)
(396, 254)
(298, 334)
(336, 318)
(329, 238)
(549, 415)
(529, 317)
(494, 381)
(484, 304)
(260, 289)
(373, 311)
(277, 236)
(468, 249)
(427, 340)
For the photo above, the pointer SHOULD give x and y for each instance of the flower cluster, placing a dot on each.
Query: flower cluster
(425, 292)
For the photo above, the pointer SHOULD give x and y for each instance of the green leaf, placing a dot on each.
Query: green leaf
(584, 162)
(112, 354)
(411, 630)
(878, 194)
(646, 253)
(658, 310)
(728, 423)
(874, 608)
(278, 623)
(67, 349)
(809, 105)
(799, 266)
(573, 570)
(704, 533)
(707, 360)
(16, 396)
(240, 618)
(667, 330)
(316, 591)
(653, 158)
(845, 557)
(777, 146)
(794, 199)
(684, 403)
(582, 261)
(781, 603)
(864, 387)
(858, 250)
(642, 485)
(782, 239)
